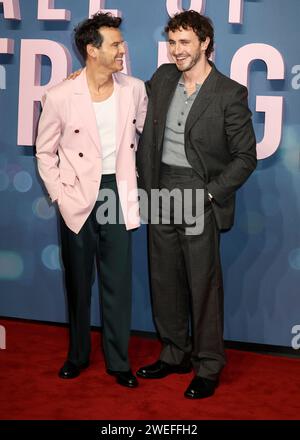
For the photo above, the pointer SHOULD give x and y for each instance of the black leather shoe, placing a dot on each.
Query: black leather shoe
(161, 369)
(70, 370)
(124, 378)
(200, 388)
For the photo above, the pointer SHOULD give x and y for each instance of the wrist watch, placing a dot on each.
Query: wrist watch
(210, 197)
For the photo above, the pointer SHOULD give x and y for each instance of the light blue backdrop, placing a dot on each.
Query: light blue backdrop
(261, 255)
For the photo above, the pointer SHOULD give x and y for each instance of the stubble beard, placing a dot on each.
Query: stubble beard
(192, 63)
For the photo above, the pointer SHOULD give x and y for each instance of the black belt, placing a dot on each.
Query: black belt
(174, 169)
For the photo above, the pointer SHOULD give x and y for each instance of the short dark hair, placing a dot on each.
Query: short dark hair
(201, 25)
(87, 32)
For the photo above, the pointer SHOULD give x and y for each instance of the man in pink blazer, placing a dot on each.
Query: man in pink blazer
(86, 145)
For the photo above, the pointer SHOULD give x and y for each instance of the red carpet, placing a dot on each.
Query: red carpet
(252, 387)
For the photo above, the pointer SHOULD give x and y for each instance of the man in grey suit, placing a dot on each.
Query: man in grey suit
(198, 134)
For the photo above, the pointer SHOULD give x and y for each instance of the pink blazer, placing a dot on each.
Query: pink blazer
(69, 149)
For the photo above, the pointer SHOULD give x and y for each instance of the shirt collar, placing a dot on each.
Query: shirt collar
(181, 83)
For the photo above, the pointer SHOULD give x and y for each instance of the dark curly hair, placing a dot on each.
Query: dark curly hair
(201, 25)
(87, 32)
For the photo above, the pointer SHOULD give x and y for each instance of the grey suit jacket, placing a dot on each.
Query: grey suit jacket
(220, 143)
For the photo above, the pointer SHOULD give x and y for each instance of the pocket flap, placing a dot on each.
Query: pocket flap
(67, 175)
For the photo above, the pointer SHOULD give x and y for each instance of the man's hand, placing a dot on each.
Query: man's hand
(74, 75)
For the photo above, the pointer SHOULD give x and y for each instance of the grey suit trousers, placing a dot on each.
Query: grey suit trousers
(186, 282)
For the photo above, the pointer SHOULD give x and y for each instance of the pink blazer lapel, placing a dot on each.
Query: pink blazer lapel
(84, 105)
(123, 93)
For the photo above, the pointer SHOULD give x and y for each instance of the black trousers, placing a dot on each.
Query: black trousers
(111, 243)
(186, 281)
